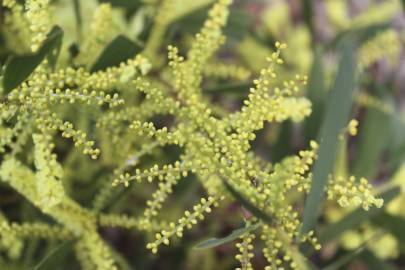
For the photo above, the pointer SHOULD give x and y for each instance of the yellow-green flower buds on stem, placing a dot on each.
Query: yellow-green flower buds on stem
(189, 219)
(350, 192)
(245, 255)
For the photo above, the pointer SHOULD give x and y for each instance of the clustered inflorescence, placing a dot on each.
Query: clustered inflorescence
(121, 101)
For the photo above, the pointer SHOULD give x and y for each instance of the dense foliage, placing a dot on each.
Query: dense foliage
(133, 131)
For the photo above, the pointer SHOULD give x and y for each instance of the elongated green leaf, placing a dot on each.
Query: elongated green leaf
(316, 94)
(236, 28)
(361, 35)
(214, 242)
(337, 114)
(78, 14)
(53, 260)
(355, 218)
(283, 145)
(394, 224)
(372, 141)
(344, 260)
(233, 88)
(129, 4)
(19, 67)
(374, 263)
(247, 204)
(119, 50)
(397, 141)
(352, 254)
(308, 11)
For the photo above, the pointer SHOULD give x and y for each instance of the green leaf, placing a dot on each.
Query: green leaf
(283, 145)
(344, 260)
(352, 254)
(231, 88)
(355, 218)
(308, 12)
(337, 114)
(360, 35)
(341, 166)
(214, 242)
(397, 141)
(394, 224)
(78, 14)
(316, 94)
(236, 28)
(119, 50)
(53, 259)
(373, 262)
(247, 204)
(372, 141)
(129, 4)
(19, 67)
(238, 24)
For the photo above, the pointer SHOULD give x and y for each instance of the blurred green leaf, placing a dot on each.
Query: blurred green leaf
(355, 218)
(247, 204)
(236, 28)
(372, 141)
(19, 67)
(394, 224)
(345, 259)
(397, 141)
(283, 146)
(360, 35)
(340, 168)
(53, 260)
(214, 242)
(316, 94)
(119, 50)
(351, 255)
(129, 4)
(337, 114)
(78, 14)
(374, 263)
(230, 88)
(308, 12)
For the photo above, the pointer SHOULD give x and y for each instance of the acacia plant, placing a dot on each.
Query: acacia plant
(100, 131)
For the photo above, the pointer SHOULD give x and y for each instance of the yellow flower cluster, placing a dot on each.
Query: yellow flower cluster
(102, 30)
(353, 193)
(189, 219)
(352, 127)
(159, 28)
(16, 27)
(49, 173)
(9, 240)
(77, 222)
(376, 14)
(366, 100)
(245, 248)
(385, 45)
(38, 16)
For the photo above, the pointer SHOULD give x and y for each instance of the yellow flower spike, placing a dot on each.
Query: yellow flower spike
(245, 251)
(353, 193)
(38, 16)
(49, 173)
(189, 219)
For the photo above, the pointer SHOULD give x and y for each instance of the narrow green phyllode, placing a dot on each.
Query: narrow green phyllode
(337, 114)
